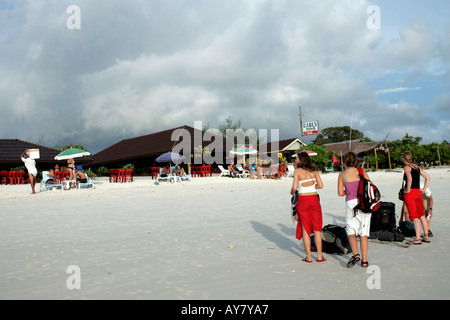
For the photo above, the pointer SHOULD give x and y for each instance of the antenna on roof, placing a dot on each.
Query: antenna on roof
(351, 125)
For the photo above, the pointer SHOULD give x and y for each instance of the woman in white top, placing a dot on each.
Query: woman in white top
(307, 181)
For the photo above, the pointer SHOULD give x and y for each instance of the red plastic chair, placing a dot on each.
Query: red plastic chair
(12, 177)
(58, 176)
(4, 177)
(155, 172)
(65, 175)
(129, 175)
(121, 175)
(194, 171)
(208, 171)
(20, 177)
(113, 175)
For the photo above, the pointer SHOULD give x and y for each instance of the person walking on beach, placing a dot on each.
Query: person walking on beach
(357, 223)
(307, 180)
(413, 197)
(30, 164)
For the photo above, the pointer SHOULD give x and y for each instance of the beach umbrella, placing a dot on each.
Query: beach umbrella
(169, 157)
(72, 153)
(242, 150)
(309, 152)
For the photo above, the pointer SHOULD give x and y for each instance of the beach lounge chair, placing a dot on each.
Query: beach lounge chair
(169, 177)
(185, 177)
(242, 172)
(224, 172)
(87, 184)
(48, 186)
(291, 170)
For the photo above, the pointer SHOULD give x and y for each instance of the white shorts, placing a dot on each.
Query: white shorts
(358, 224)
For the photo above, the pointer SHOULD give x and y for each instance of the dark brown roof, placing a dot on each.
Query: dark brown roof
(355, 146)
(151, 145)
(11, 149)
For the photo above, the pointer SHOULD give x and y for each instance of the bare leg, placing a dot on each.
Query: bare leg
(318, 241)
(307, 243)
(364, 243)
(353, 243)
(32, 182)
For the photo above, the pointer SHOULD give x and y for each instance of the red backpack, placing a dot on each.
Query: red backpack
(369, 197)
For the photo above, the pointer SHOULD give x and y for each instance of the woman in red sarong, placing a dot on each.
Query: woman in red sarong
(307, 180)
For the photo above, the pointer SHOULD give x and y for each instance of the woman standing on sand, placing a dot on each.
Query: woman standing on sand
(413, 196)
(307, 181)
(356, 223)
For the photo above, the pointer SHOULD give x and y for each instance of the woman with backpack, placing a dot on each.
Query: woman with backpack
(306, 181)
(413, 196)
(357, 223)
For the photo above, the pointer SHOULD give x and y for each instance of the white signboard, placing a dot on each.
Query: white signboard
(310, 127)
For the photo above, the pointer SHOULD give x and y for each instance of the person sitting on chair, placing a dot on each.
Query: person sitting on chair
(81, 176)
(51, 177)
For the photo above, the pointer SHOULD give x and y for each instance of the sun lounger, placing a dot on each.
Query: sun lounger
(48, 186)
(87, 184)
(242, 172)
(224, 172)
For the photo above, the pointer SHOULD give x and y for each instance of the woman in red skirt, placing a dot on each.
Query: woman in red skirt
(413, 196)
(307, 181)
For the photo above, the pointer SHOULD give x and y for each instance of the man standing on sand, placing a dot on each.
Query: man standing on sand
(30, 164)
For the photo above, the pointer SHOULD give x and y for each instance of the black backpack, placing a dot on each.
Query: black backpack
(384, 218)
(334, 240)
(406, 228)
(383, 225)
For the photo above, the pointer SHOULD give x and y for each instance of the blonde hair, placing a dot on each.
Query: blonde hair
(407, 156)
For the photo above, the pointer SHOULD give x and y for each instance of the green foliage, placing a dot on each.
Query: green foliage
(62, 148)
(128, 166)
(338, 134)
(323, 157)
(427, 154)
(102, 171)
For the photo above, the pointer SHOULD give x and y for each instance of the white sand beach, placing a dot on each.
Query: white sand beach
(212, 238)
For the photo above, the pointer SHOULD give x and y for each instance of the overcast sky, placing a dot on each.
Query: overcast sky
(141, 66)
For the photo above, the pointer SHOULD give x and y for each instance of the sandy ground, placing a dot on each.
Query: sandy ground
(212, 238)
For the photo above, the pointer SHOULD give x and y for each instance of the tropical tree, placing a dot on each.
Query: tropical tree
(338, 134)
(322, 159)
(62, 148)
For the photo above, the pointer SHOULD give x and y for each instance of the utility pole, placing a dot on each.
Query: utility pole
(301, 123)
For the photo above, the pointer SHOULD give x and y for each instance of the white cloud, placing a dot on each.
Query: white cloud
(143, 66)
(397, 90)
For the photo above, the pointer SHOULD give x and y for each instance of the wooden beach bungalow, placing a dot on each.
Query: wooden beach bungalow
(142, 151)
(286, 147)
(360, 148)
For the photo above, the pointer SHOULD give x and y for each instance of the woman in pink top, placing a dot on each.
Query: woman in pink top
(356, 223)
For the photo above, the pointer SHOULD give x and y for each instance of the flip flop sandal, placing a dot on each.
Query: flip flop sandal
(322, 260)
(353, 260)
(305, 260)
(415, 242)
